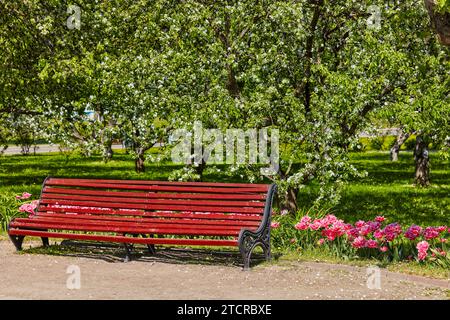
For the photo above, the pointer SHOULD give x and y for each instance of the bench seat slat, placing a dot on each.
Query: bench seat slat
(62, 181)
(153, 201)
(124, 229)
(154, 195)
(142, 213)
(106, 219)
(189, 189)
(123, 239)
(158, 224)
(153, 206)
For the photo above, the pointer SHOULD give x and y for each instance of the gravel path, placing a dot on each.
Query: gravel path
(43, 148)
(173, 274)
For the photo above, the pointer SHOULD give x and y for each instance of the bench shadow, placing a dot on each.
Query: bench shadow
(114, 253)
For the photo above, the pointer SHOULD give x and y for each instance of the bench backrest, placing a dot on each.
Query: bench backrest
(242, 203)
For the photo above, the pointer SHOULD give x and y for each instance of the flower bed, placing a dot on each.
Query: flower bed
(8, 207)
(364, 239)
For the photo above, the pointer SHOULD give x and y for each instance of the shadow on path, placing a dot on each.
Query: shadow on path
(114, 253)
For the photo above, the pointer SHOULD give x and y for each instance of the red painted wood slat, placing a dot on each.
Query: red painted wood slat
(122, 239)
(158, 188)
(161, 224)
(215, 216)
(106, 219)
(139, 230)
(159, 195)
(153, 201)
(153, 206)
(162, 183)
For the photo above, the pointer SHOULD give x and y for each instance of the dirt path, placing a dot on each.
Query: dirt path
(43, 148)
(173, 274)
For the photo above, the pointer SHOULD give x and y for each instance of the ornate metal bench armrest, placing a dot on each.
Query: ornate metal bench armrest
(248, 240)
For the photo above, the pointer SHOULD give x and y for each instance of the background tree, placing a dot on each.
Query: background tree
(439, 12)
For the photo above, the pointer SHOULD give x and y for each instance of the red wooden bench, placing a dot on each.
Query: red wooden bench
(151, 213)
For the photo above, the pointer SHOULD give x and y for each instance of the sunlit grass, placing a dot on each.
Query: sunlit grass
(388, 189)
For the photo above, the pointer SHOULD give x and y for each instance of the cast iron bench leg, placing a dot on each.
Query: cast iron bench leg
(249, 240)
(45, 242)
(17, 241)
(127, 253)
(151, 247)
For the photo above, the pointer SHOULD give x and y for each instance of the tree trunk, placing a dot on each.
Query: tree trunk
(291, 200)
(401, 138)
(440, 21)
(139, 161)
(200, 168)
(107, 152)
(421, 157)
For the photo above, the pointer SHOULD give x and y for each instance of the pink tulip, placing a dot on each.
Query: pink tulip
(422, 248)
(372, 244)
(301, 226)
(305, 219)
(374, 225)
(360, 223)
(392, 230)
(315, 225)
(422, 255)
(364, 230)
(29, 207)
(24, 196)
(274, 225)
(359, 242)
(413, 232)
(378, 234)
(430, 233)
(353, 233)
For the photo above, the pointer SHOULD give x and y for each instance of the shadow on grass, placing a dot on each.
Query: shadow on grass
(114, 253)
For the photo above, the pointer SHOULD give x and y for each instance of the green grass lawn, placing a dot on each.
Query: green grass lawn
(388, 189)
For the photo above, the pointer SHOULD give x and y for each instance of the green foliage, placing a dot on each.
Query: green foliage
(381, 143)
(384, 143)
(313, 70)
(443, 5)
(410, 143)
(9, 206)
